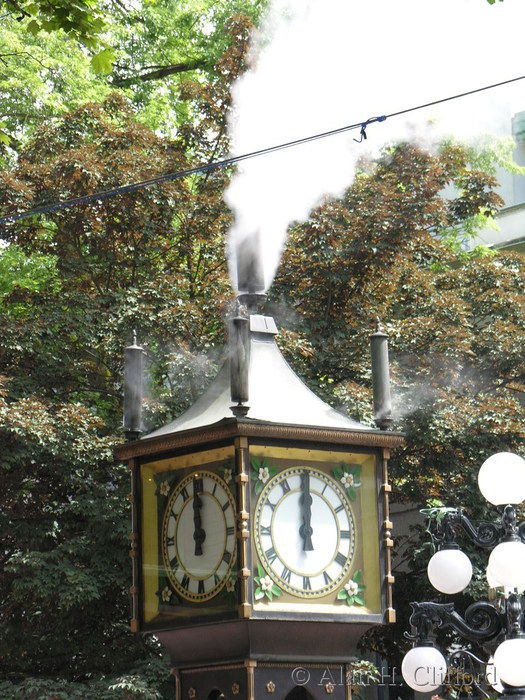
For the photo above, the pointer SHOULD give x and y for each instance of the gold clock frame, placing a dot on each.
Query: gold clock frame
(274, 482)
(177, 585)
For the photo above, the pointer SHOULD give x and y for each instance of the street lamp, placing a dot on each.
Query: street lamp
(499, 625)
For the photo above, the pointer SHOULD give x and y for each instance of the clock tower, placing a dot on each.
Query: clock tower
(260, 531)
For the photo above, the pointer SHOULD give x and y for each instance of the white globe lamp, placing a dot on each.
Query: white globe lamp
(501, 479)
(508, 661)
(449, 570)
(506, 565)
(424, 669)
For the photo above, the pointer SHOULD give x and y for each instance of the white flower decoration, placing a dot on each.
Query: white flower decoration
(264, 474)
(266, 583)
(347, 480)
(227, 475)
(164, 488)
(166, 595)
(351, 588)
(230, 585)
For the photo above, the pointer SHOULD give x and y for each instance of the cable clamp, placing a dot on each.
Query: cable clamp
(362, 133)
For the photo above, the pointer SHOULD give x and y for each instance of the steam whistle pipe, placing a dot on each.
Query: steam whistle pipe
(381, 378)
(239, 363)
(250, 273)
(133, 381)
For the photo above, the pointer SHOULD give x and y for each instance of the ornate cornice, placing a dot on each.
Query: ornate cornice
(231, 428)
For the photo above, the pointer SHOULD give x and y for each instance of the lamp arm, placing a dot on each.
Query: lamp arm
(487, 535)
(482, 622)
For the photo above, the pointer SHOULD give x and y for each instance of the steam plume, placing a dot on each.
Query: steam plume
(318, 65)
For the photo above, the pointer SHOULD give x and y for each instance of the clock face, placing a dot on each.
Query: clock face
(198, 536)
(304, 532)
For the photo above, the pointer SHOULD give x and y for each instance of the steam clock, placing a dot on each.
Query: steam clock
(261, 533)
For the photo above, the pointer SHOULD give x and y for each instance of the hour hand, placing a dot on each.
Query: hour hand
(199, 535)
(306, 530)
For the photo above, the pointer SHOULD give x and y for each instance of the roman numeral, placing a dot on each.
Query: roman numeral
(226, 557)
(214, 489)
(174, 563)
(230, 530)
(184, 493)
(271, 555)
(285, 486)
(201, 587)
(327, 578)
(339, 508)
(345, 534)
(340, 558)
(170, 541)
(265, 530)
(286, 574)
(225, 506)
(185, 583)
(307, 586)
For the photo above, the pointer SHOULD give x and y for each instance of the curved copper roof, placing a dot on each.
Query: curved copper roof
(276, 394)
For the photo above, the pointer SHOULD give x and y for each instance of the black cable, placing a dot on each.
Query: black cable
(238, 159)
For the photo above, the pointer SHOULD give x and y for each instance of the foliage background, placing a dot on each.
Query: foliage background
(74, 283)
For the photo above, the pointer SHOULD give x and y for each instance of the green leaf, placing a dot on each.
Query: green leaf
(359, 600)
(338, 473)
(342, 595)
(102, 62)
(357, 576)
(276, 590)
(33, 27)
(259, 593)
(352, 493)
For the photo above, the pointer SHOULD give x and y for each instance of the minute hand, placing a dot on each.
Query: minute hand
(199, 535)
(306, 530)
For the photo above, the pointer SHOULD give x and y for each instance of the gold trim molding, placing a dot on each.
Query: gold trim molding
(231, 428)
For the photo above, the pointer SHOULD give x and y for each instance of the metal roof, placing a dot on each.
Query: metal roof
(276, 394)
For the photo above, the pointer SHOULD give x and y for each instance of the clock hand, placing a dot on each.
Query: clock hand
(306, 501)
(199, 534)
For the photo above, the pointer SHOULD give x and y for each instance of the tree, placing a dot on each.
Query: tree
(150, 260)
(83, 22)
(150, 53)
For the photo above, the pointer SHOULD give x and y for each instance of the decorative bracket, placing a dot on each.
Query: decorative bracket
(443, 525)
(482, 622)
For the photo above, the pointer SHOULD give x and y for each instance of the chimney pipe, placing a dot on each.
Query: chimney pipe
(133, 380)
(239, 363)
(250, 273)
(381, 378)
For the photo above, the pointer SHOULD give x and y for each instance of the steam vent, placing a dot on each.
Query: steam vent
(261, 535)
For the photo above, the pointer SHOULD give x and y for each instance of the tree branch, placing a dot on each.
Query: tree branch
(160, 72)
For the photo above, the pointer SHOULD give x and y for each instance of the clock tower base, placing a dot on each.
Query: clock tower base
(258, 680)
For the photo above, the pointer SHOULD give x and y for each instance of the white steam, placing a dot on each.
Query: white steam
(319, 65)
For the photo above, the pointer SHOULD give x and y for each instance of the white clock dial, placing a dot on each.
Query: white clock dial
(304, 531)
(198, 536)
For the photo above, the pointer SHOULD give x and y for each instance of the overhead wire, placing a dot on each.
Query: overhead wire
(233, 160)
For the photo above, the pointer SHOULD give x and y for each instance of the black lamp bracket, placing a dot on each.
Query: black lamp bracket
(443, 524)
(481, 623)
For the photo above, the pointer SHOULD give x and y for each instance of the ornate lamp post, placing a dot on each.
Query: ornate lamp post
(499, 625)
